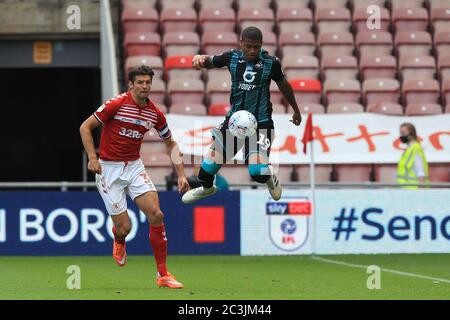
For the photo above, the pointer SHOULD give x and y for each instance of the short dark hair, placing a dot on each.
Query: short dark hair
(142, 70)
(252, 33)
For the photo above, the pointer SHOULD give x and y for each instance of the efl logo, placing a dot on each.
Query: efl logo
(289, 222)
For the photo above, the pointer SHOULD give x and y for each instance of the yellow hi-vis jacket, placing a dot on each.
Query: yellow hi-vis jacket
(405, 168)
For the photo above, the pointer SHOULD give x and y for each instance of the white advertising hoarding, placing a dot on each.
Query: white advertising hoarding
(339, 138)
(347, 222)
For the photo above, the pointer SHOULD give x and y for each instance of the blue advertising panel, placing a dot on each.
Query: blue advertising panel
(76, 223)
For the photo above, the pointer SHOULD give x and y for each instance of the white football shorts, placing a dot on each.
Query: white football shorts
(118, 178)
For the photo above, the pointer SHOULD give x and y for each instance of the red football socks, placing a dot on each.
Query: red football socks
(158, 241)
(116, 238)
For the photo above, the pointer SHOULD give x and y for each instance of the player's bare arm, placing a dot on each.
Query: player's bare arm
(175, 155)
(200, 61)
(288, 93)
(88, 142)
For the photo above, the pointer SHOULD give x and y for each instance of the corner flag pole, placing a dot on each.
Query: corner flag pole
(313, 194)
(308, 138)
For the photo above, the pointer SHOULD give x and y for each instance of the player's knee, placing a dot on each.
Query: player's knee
(259, 172)
(156, 217)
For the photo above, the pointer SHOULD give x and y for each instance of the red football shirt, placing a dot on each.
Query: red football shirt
(124, 125)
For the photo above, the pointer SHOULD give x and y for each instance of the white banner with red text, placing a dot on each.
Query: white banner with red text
(338, 138)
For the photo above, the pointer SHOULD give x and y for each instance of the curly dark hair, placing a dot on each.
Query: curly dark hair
(142, 70)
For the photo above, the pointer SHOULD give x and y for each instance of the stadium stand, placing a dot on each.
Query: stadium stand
(331, 57)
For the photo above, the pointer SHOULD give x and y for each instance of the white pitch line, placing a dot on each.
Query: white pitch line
(407, 274)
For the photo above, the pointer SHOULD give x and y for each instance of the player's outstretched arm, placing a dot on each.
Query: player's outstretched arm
(200, 61)
(288, 93)
(177, 159)
(88, 142)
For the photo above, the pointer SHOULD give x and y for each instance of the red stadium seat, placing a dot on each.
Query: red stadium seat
(193, 109)
(142, 44)
(216, 42)
(180, 67)
(339, 67)
(284, 172)
(423, 109)
(386, 173)
(307, 107)
(413, 43)
(374, 66)
(294, 19)
(360, 18)
(353, 172)
(158, 166)
(439, 172)
(218, 91)
(440, 18)
(364, 4)
(291, 4)
(186, 91)
(253, 4)
(329, 4)
(446, 91)
(397, 4)
(381, 90)
(217, 19)
(423, 67)
(444, 68)
(139, 20)
(345, 90)
(333, 20)
(275, 95)
(420, 91)
(374, 43)
(262, 18)
(336, 43)
(177, 4)
(297, 43)
(208, 4)
(220, 109)
(181, 43)
(322, 173)
(387, 108)
(218, 74)
(173, 20)
(270, 43)
(153, 62)
(278, 108)
(410, 19)
(139, 4)
(301, 67)
(442, 43)
(343, 107)
(434, 4)
(307, 90)
(158, 92)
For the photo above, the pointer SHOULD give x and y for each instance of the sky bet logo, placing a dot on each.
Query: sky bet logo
(280, 208)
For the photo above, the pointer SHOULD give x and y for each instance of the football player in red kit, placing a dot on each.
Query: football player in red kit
(120, 171)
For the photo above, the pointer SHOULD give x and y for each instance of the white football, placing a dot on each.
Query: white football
(242, 124)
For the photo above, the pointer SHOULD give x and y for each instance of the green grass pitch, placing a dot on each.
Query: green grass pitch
(228, 277)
